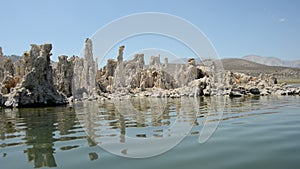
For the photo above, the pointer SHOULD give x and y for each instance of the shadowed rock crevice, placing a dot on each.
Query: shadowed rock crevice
(63, 71)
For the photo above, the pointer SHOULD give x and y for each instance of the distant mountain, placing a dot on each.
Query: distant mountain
(14, 58)
(272, 61)
(282, 73)
(243, 65)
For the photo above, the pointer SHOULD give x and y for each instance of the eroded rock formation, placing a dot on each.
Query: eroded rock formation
(134, 76)
(64, 74)
(1, 65)
(9, 68)
(37, 87)
(155, 62)
(32, 81)
(239, 84)
(7, 75)
(1, 53)
(85, 73)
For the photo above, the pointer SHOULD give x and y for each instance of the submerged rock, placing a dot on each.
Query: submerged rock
(236, 93)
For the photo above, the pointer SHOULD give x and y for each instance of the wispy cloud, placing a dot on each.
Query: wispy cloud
(281, 20)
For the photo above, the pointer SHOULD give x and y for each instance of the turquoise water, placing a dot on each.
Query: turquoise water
(258, 132)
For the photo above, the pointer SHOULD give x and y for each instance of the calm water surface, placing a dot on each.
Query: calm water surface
(260, 132)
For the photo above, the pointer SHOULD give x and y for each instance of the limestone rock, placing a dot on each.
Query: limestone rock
(1, 54)
(188, 73)
(85, 72)
(198, 86)
(191, 61)
(9, 68)
(254, 91)
(110, 68)
(229, 78)
(64, 74)
(37, 87)
(7, 73)
(9, 82)
(236, 93)
(120, 56)
(1, 65)
(166, 63)
(155, 62)
(265, 92)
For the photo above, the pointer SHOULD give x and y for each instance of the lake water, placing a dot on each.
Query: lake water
(257, 132)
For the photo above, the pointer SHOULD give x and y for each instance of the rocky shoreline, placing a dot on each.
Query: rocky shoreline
(35, 80)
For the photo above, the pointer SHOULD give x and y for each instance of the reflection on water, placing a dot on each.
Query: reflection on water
(119, 125)
(35, 128)
(39, 137)
(40, 134)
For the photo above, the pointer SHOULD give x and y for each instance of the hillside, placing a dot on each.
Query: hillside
(272, 61)
(284, 74)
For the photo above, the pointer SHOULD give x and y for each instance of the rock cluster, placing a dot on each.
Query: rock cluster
(135, 78)
(36, 81)
(36, 88)
(240, 84)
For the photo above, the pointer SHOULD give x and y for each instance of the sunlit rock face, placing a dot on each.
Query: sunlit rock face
(36, 87)
(85, 73)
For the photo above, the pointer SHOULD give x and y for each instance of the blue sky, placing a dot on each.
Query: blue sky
(235, 27)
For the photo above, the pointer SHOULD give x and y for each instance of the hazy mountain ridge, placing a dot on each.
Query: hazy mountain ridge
(272, 61)
(243, 64)
(283, 73)
(269, 61)
(14, 58)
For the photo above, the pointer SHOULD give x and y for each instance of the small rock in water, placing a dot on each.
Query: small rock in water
(235, 93)
(93, 156)
(254, 91)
